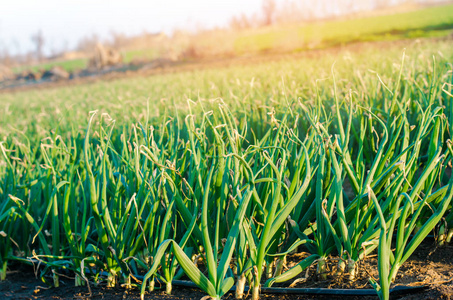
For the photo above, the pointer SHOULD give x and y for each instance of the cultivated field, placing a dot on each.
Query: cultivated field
(406, 23)
(234, 176)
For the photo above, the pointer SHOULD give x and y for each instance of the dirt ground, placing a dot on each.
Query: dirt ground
(429, 266)
(152, 69)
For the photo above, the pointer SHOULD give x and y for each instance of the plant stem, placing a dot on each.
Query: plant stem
(3, 271)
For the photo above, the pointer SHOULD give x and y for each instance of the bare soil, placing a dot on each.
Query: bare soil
(429, 266)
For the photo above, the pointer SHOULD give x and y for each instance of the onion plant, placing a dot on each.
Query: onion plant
(223, 175)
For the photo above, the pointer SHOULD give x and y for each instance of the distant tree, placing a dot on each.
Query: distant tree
(240, 22)
(268, 11)
(88, 43)
(5, 57)
(38, 40)
(118, 39)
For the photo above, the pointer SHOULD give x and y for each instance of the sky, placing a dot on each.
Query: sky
(64, 22)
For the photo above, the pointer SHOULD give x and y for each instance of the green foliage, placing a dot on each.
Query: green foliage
(221, 174)
(69, 65)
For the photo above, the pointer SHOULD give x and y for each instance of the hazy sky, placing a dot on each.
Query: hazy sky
(64, 22)
(68, 20)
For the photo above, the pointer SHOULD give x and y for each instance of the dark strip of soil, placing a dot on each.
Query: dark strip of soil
(429, 265)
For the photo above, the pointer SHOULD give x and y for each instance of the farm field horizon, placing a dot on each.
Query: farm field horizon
(407, 21)
(329, 170)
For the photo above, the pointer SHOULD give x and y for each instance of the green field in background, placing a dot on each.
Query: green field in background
(427, 22)
(68, 65)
